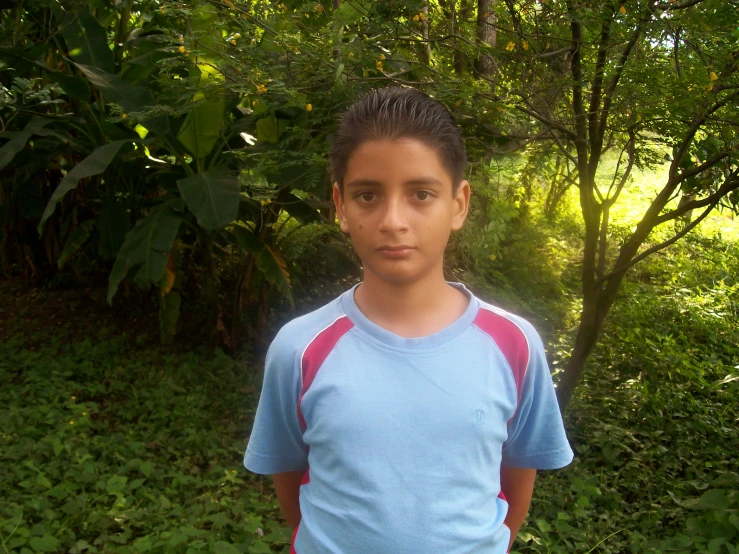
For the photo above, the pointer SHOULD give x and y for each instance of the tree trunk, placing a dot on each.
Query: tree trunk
(486, 34)
(460, 60)
(687, 217)
(587, 336)
(425, 47)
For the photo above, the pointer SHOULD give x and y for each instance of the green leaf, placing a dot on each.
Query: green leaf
(147, 248)
(42, 480)
(146, 468)
(219, 518)
(115, 89)
(203, 125)
(212, 197)
(76, 239)
(266, 260)
(260, 547)
(72, 85)
(267, 129)
(714, 499)
(300, 210)
(16, 144)
(87, 42)
(116, 484)
(351, 11)
(45, 543)
(94, 164)
(223, 547)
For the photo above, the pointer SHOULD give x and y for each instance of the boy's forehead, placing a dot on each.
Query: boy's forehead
(408, 161)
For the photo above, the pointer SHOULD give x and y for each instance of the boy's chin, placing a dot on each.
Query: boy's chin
(396, 276)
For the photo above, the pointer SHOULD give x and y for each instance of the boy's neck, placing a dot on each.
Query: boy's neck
(410, 310)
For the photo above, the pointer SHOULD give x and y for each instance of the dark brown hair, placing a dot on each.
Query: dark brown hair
(393, 113)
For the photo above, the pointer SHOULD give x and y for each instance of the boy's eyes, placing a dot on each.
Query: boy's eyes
(368, 196)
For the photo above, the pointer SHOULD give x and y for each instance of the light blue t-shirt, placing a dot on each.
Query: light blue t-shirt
(402, 440)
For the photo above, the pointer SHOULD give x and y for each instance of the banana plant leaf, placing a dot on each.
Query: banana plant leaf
(16, 144)
(146, 248)
(268, 261)
(94, 164)
(87, 42)
(212, 197)
(76, 239)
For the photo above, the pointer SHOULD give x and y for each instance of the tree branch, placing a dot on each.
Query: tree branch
(697, 122)
(658, 247)
(596, 140)
(731, 183)
(608, 96)
(700, 168)
(673, 7)
(552, 124)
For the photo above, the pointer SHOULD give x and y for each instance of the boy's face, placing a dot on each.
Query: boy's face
(398, 208)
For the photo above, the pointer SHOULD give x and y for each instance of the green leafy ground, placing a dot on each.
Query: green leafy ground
(111, 444)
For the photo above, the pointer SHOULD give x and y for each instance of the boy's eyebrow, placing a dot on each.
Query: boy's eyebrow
(410, 182)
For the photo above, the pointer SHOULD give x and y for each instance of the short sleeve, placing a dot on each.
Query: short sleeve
(536, 434)
(276, 443)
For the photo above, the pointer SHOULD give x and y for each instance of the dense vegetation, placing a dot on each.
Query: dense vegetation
(164, 205)
(114, 444)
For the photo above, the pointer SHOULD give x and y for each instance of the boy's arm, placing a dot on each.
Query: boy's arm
(287, 487)
(517, 485)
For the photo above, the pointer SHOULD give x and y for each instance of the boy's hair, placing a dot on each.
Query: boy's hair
(393, 113)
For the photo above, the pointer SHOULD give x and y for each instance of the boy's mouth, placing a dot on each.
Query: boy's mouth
(399, 251)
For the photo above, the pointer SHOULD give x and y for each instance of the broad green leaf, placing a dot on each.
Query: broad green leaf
(213, 198)
(351, 11)
(260, 547)
(203, 125)
(94, 164)
(300, 210)
(116, 484)
(72, 85)
(268, 261)
(115, 89)
(204, 26)
(714, 499)
(88, 43)
(146, 468)
(223, 547)
(16, 144)
(76, 239)
(45, 543)
(267, 129)
(147, 247)
(137, 69)
(42, 480)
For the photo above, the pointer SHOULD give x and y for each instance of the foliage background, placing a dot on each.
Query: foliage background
(164, 207)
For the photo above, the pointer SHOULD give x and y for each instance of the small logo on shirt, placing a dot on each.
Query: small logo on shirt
(479, 417)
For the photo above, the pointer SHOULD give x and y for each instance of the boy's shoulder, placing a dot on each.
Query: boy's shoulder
(521, 328)
(295, 335)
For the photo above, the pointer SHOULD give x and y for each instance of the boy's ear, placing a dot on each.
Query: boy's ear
(462, 205)
(339, 203)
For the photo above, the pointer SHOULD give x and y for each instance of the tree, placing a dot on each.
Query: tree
(644, 79)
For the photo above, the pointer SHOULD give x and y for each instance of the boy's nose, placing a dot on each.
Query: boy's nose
(393, 217)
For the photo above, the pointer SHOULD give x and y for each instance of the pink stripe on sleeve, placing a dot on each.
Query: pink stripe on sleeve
(511, 340)
(316, 353)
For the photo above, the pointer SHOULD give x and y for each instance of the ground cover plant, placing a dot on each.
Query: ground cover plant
(112, 443)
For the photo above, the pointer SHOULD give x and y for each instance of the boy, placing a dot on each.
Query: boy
(406, 416)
